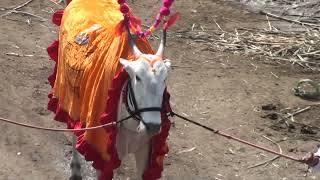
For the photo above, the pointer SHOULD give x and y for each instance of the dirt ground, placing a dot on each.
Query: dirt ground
(220, 89)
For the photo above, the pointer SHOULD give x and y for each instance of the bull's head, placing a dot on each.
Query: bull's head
(148, 74)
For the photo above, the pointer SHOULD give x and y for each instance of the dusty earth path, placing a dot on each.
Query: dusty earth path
(219, 89)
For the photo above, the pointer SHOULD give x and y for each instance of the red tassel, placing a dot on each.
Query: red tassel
(68, 1)
(173, 19)
(135, 23)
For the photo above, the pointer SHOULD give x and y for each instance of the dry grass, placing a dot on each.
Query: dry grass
(299, 46)
(302, 48)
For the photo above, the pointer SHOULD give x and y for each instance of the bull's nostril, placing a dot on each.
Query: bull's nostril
(153, 127)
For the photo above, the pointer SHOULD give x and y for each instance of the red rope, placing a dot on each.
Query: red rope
(221, 133)
(57, 129)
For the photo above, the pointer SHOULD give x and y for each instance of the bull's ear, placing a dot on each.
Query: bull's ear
(127, 65)
(167, 63)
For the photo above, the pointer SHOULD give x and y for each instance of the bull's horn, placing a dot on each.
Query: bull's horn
(162, 45)
(133, 45)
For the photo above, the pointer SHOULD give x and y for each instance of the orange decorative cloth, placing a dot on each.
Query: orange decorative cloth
(88, 78)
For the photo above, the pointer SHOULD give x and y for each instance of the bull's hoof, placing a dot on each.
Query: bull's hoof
(75, 177)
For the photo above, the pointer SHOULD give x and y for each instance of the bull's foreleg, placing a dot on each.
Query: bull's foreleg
(75, 162)
(142, 159)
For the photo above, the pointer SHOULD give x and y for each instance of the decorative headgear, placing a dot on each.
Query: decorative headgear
(135, 23)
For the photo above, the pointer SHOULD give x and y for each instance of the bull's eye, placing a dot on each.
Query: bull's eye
(138, 78)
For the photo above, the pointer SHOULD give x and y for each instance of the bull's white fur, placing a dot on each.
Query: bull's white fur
(148, 88)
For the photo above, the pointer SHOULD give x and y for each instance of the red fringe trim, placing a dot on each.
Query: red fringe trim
(159, 147)
(57, 16)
